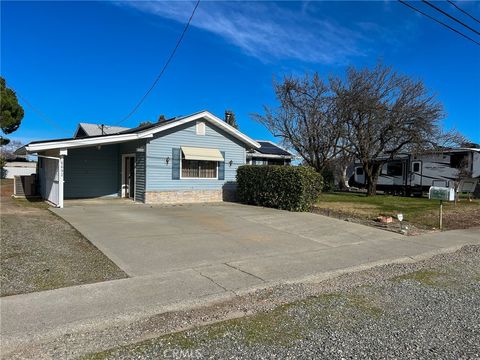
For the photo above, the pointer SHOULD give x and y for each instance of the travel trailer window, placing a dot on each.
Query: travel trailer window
(458, 161)
(359, 171)
(416, 167)
(394, 169)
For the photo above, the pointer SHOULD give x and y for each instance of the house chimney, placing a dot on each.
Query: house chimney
(228, 115)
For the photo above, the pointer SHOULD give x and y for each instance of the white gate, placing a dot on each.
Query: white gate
(50, 178)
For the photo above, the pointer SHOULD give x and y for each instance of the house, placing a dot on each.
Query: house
(86, 129)
(192, 158)
(269, 153)
(17, 168)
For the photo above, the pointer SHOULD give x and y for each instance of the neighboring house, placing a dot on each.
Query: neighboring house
(269, 153)
(16, 168)
(86, 129)
(188, 159)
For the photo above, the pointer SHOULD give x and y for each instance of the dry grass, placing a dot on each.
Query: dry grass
(421, 212)
(40, 251)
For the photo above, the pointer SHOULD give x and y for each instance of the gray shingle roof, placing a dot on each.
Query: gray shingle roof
(96, 129)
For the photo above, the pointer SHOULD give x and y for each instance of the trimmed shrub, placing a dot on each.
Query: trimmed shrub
(293, 188)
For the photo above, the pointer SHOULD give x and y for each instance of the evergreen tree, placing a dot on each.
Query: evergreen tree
(11, 113)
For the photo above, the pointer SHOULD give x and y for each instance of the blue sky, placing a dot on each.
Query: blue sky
(92, 61)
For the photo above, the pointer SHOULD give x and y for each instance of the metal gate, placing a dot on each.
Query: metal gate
(49, 176)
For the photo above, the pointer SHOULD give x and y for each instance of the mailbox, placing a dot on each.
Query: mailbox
(441, 193)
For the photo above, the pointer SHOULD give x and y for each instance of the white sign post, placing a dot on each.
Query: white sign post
(442, 194)
(400, 219)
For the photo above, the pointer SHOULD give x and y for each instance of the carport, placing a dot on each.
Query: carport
(95, 167)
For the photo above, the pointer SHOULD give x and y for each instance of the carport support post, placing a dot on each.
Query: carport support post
(440, 220)
(63, 152)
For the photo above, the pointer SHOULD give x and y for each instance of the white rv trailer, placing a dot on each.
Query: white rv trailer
(415, 173)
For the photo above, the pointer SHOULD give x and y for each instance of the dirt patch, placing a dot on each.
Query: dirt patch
(40, 251)
(461, 219)
(407, 228)
(420, 214)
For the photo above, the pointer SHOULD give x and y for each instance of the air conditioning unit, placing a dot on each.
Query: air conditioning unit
(24, 185)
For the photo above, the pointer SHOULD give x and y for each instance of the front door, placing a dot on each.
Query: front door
(129, 176)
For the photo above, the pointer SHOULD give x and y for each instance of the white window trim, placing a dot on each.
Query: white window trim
(122, 182)
(196, 178)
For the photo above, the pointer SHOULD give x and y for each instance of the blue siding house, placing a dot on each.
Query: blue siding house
(187, 159)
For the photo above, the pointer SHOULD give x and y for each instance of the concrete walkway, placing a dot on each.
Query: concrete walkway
(43, 315)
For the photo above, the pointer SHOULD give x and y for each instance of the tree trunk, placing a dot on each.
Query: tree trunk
(372, 171)
(342, 178)
(371, 188)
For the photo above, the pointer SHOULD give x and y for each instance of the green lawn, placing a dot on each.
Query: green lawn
(421, 212)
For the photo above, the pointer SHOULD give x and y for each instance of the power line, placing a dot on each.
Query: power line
(142, 99)
(40, 114)
(438, 21)
(450, 16)
(463, 11)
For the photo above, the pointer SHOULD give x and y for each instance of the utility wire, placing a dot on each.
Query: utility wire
(463, 11)
(40, 114)
(142, 99)
(450, 16)
(438, 21)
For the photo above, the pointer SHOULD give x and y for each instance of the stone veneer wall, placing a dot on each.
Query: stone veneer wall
(183, 196)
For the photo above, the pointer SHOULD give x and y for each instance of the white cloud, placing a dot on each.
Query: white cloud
(266, 30)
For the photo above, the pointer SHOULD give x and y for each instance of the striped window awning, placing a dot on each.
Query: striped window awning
(195, 153)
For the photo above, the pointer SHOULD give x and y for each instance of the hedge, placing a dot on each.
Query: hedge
(293, 188)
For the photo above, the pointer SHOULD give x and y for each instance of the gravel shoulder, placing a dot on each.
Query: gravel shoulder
(40, 251)
(429, 309)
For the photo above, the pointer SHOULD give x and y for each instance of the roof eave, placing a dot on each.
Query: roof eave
(117, 138)
(82, 142)
(269, 156)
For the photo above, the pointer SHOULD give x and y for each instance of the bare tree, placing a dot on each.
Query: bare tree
(7, 151)
(305, 119)
(384, 113)
(340, 166)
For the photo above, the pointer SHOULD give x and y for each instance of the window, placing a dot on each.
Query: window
(458, 161)
(359, 171)
(416, 167)
(199, 169)
(275, 162)
(395, 169)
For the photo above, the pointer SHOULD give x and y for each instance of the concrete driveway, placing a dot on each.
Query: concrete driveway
(146, 240)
